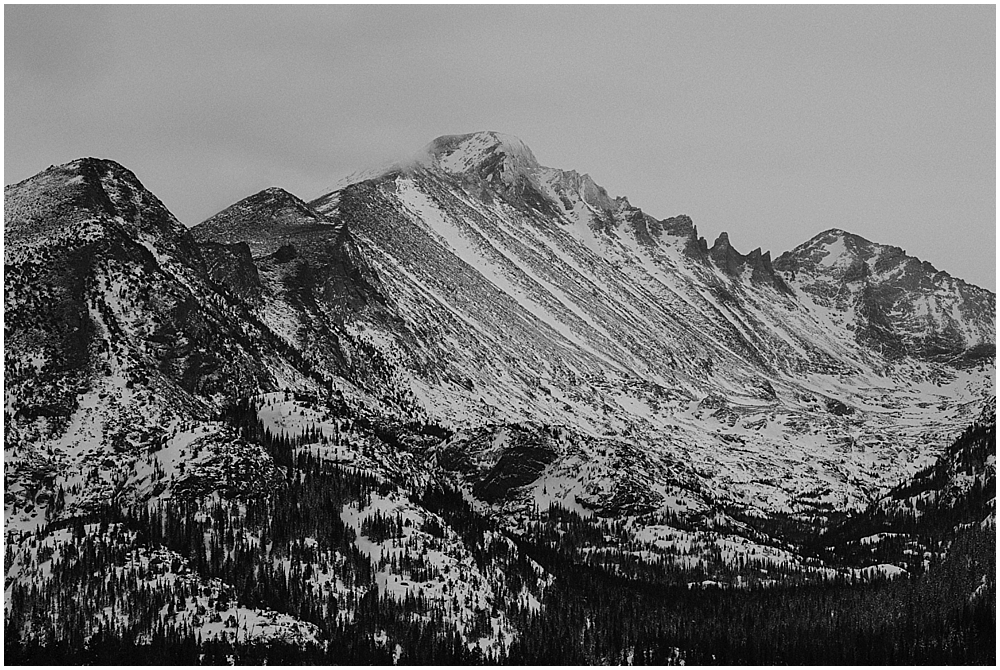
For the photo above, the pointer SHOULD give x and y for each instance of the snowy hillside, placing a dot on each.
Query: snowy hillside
(461, 408)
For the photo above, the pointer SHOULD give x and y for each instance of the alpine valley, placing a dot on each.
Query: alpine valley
(466, 409)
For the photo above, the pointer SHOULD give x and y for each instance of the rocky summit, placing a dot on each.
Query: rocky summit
(421, 417)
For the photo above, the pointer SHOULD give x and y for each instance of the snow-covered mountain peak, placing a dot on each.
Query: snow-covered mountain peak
(504, 161)
(901, 304)
(844, 256)
(489, 157)
(488, 154)
(489, 166)
(837, 248)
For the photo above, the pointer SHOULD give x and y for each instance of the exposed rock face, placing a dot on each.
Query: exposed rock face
(312, 277)
(730, 261)
(499, 461)
(264, 221)
(231, 266)
(300, 248)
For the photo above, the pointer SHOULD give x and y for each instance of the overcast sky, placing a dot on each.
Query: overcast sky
(772, 123)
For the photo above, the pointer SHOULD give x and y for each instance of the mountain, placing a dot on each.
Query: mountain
(465, 401)
(899, 305)
(311, 278)
(130, 347)
(527, 294)
(116, 340)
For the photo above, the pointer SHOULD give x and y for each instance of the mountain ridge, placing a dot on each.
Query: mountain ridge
(438, 392)
(447, 213)
(519, 161)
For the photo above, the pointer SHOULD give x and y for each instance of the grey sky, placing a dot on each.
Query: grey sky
(773, 123)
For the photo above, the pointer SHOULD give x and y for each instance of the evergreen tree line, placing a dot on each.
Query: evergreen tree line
(605, 606)
(259, 547)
